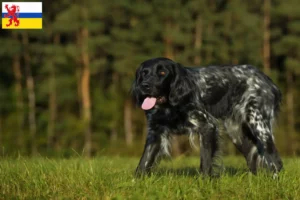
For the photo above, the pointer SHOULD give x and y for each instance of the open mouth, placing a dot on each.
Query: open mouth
(150, 102)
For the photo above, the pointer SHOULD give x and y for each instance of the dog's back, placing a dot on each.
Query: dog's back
(228, 89)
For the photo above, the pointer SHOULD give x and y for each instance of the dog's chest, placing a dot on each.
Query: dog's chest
(176, 121)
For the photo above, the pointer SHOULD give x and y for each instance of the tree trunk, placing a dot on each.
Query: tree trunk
(266, 30)
(114, 130)
(209, 51)
(128, 122)
(79, 73)
(52, 104)
(210, 31)
(168, 43)
(85, 91)
(234, 49)
(0, 132)
(114, 134)
(198, 40)
(31, 95)
(290, 113)
(19, 96)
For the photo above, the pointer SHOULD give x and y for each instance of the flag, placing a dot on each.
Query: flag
(22, 15)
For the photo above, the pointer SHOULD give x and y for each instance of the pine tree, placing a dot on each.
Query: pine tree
(286, 48)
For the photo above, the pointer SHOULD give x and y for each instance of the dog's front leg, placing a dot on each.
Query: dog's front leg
(151, 153)
(208, 131)
(208, 148)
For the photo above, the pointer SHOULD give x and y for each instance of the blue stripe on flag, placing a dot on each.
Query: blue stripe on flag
(27, 15)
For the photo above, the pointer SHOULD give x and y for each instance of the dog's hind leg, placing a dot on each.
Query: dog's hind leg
(257, 152)
(243, 140)
(245, 143)
(156, 144)
(257, 130)
(260, 148)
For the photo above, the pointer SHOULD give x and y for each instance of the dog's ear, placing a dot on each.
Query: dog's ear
(135, 93)
(181, 87)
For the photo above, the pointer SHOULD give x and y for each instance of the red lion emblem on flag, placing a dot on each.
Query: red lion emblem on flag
(12, 13)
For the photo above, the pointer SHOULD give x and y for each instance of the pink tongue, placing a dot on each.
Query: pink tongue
(149, 103)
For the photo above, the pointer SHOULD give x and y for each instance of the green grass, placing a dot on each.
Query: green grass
(111, 178)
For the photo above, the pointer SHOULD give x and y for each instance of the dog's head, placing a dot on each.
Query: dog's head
(160, 81)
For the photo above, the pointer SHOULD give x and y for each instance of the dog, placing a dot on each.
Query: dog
(193, 100)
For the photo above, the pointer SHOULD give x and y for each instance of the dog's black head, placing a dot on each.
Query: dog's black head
(160, 81)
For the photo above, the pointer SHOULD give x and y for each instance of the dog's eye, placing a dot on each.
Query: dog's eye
(162, 73)
(144, 73)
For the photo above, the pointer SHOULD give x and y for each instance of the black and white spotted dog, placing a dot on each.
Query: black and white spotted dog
(185, 100)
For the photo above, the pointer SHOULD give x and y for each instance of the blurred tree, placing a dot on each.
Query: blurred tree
(286, 48)
(85, 82)
(18, 89)
(67, 87)
(266, 30)
(31, 92)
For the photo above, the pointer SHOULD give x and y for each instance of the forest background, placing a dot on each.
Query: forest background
(65, 89)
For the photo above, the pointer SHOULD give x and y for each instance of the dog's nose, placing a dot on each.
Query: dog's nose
(146, 86)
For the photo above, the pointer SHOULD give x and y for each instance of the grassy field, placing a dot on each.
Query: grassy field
(111, 178)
